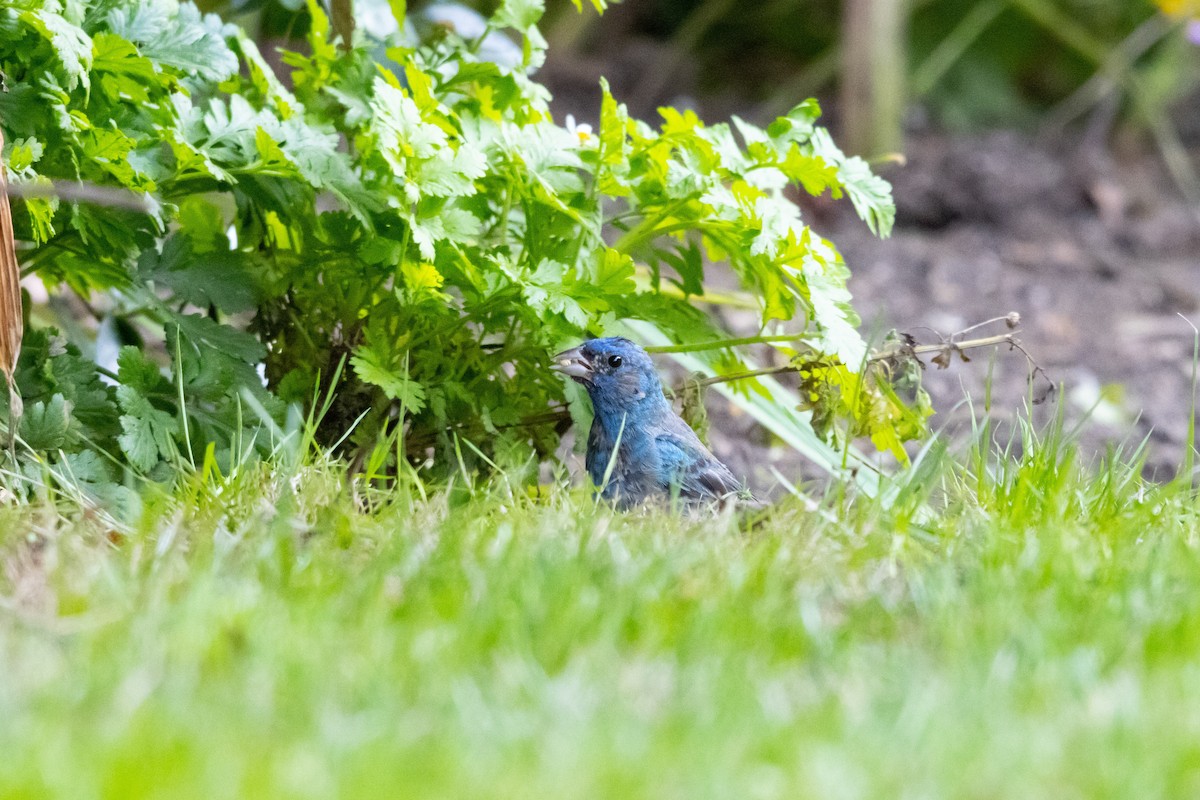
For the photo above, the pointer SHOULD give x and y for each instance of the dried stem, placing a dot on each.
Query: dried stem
(12, 324)
(83, 192)
(944, 349)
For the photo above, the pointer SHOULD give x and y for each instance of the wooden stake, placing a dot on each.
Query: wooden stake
(873, 71)
(11, 323)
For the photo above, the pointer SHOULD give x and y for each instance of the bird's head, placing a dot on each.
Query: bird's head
(617, 373)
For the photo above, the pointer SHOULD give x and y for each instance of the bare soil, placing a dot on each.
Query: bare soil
(1098, 255)
(1090, 242)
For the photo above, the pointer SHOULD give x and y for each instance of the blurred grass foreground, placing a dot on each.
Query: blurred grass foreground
(989, 627)
(1005, 619)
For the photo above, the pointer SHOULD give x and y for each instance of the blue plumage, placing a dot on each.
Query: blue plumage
(657, 455)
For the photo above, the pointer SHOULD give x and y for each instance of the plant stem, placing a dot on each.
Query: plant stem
(648, 227)
(951, 48)
(84, 192)
(559, 415)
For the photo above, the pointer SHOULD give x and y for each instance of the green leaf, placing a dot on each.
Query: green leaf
(70, 44)
(124, 73)
(421, 278)
(407, 142)
(192, 162)
(399, 11)
(689, 264)
(203, 224)
(314, 156)
(21, 154)
(521, 15)
(797, 125)
(548, 291)
(221, 279)
(613, 121)
(88, 469)
(200, 330)
(139, 372)
(46, 426)
(399, 128)
(91, 401)
(264, 79)
(814, 173)
(109, 148)
(440, 222)
(148, 432)
(41, 212)
(379, 369)
(870, 194)
(612, 272)
(92, 474)
(113, 238)
(776, 222)
(451, 173)
(176, 35)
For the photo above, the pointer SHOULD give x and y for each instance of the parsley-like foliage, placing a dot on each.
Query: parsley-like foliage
(413, 224)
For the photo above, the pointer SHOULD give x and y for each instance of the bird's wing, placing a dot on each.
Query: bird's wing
(598, 451)
(689, 464)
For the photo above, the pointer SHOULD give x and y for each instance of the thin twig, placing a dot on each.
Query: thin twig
(947, 346)
(1012, 319)
(12, 324)
(83, 192)
(952, 47)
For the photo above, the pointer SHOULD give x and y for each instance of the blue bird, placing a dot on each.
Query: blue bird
(657, 455)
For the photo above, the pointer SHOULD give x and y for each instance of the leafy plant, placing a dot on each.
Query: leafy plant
(410, 230)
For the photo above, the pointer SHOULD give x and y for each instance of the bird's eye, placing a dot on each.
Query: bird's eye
(614, 361)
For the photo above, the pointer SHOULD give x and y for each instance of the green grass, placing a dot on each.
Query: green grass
(1036, 635)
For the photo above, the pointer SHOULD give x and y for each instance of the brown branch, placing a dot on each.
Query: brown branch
(341, 14)
(942, 347)
(945, 348)
(12, 324)
(84, 192)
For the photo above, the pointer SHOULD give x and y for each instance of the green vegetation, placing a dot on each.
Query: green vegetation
(1012, 628)
(405, 231)
(350, 582)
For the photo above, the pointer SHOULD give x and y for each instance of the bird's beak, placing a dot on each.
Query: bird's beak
(574, 364)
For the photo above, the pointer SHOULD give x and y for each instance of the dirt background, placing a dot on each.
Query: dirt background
(1096, 252)
(1086, 238)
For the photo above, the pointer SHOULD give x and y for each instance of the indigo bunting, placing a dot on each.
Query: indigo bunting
(657, 455)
